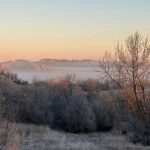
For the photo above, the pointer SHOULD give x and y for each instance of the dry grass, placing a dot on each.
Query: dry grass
(31, 137)
(43, 138)
(9, 136)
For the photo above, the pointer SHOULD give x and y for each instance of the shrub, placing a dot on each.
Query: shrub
(79, 115)
(104, 114)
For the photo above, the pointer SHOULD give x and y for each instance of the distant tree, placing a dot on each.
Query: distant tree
(129, 68)
(91, 87)
(68, 83)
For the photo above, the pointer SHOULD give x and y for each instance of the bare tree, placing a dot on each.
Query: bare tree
(69, 83)
(129, 68)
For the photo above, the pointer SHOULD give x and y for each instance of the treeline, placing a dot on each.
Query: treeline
(65, 104)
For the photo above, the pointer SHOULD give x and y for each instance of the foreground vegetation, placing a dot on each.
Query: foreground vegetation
(31, 137)
(69, 105)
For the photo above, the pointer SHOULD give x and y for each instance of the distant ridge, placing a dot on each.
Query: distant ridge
(67, 60)
(68, 63)
(47, 64)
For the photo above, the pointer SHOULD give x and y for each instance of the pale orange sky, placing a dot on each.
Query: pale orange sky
(69, 48)
(68, 29)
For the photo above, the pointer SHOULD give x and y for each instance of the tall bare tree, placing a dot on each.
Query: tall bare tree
(129, 68)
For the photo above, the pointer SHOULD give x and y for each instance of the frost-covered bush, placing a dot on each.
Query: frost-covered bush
(105, 117)
(72, 111)
(78, 114)
(36, 106)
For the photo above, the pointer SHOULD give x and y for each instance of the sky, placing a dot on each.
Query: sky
(68, 29)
